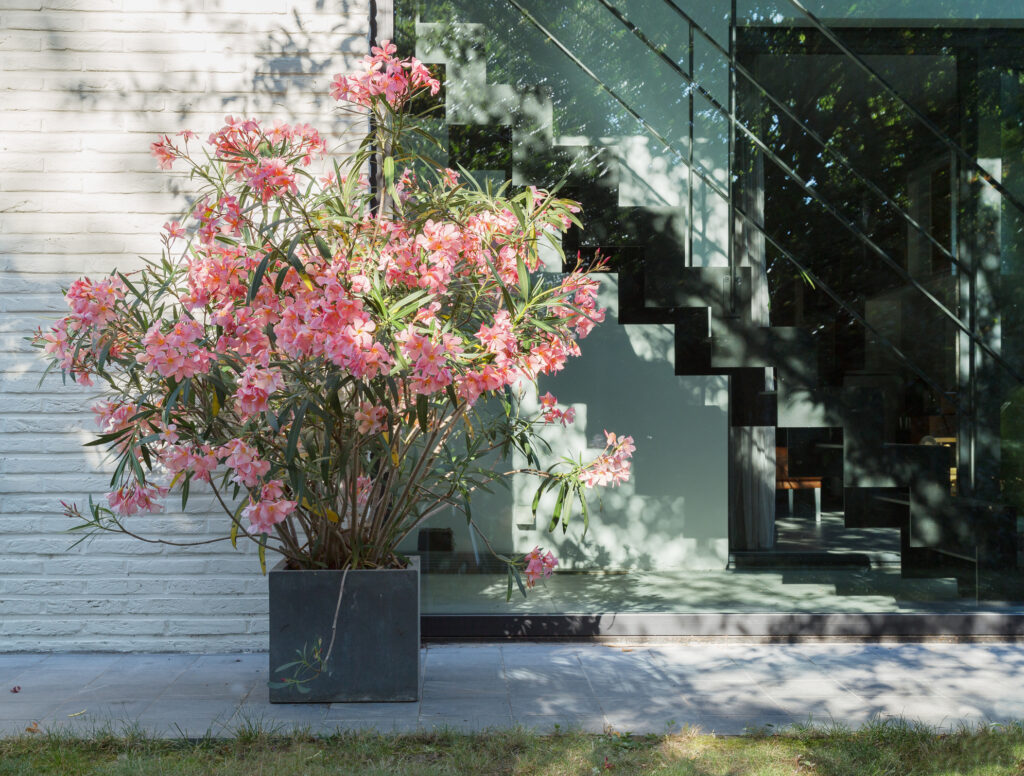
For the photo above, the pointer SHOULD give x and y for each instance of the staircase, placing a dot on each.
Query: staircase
(720, 313)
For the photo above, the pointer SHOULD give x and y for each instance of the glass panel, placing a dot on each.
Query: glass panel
(818, 353)
(574, 93)
(889, 253)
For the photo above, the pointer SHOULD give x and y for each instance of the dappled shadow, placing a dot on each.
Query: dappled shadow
(113, 83)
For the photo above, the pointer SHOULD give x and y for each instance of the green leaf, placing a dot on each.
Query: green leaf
(257, 276)
(292, 258)
(567, 512)
(422, 413)
(559, 503)
(322, 246)
(263, 554)
(508, 594)
(389, 170)
(272, 421)
(536, 500)
(173, 399)
(293, 434)
(524, 278)
(519, 580)
(279, 282)
(584, 509)
(234, 534)
(103, 439)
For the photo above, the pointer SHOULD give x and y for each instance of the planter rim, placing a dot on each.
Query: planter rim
(280, 566)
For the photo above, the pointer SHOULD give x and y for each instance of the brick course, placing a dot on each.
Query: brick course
(85, 86)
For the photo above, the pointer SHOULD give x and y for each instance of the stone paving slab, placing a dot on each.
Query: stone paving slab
(723, 688)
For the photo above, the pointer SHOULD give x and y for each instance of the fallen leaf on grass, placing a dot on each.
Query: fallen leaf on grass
(16, 688)
(78, 713)
(33, 728)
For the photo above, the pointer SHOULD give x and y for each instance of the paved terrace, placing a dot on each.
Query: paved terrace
(722, 688)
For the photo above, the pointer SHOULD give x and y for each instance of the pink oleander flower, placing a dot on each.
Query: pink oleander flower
(255, 388)
(175, 458)
(539, 565)
(370, 418)
(244, 461)
(554, 415)
(94, 303)
(164, 152)
(272, 178)
(612, 466)
(450, 177)
(113, 416)
(175, 353)
(269, 510)
(72, 357)
(174, 230)
(384, 75)
(202, 463)
(133, 498)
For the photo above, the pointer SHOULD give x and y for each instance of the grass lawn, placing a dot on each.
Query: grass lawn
(892, 748)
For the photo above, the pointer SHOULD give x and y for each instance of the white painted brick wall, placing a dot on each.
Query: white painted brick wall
(85, 86)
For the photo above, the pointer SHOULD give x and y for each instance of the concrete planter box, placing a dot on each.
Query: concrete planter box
(376, 655)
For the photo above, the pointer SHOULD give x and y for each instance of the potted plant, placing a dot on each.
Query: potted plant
(335, 361)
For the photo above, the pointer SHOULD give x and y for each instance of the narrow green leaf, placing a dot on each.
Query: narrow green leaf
(559, 502)
(263, 554)
(508, 594)
(279, 281)
(524, 278)
(584, 509)
(567, 511)
(293, 434)
(292, 258)
(322, 246)
(422, 413)
(257, 276)
(519, 580)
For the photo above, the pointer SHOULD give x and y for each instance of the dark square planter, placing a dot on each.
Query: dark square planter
(376, 654)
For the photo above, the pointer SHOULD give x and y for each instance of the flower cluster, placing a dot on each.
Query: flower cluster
(255, 388)
(245, 463)
(549, 405)
(94, 303)
(539, 565)
(385, 76)
(133, 498)
(270, 509)
(175, 353)
(612, 466)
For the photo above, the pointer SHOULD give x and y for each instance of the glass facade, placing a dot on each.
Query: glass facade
(814, 324)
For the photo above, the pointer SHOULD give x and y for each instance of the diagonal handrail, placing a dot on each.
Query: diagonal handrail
(707, 180)
(850, 225)
(815, 136)
(718, 189)
(946, 140)
(819, 283)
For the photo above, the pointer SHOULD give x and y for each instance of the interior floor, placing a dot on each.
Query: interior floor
(830, 534)
(839, 590)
